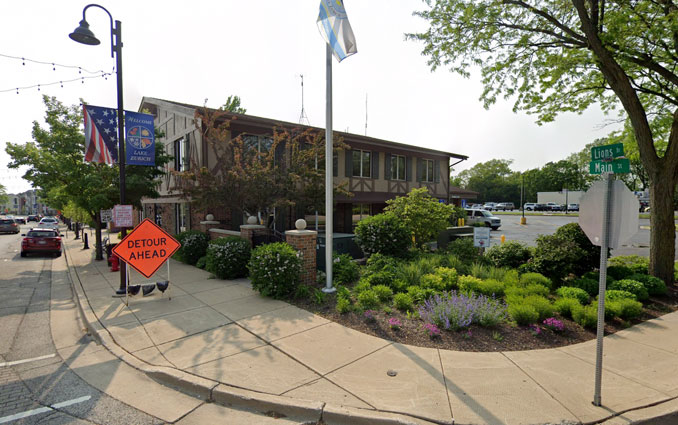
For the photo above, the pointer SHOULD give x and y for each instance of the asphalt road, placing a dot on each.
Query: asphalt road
(34, 380)
(537, 225)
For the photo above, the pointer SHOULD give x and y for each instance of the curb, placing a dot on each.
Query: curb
(225, 395)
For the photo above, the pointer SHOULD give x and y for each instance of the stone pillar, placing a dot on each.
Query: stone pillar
(304, 241)
(249, 230)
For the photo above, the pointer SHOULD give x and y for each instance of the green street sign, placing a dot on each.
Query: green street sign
(617, 166)
(607, 152)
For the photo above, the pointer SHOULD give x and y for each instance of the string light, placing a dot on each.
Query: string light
(61, 83)
(54, 64)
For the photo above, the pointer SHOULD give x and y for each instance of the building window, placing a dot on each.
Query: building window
(261, 144)
(397, 167)
(362, 164)
(360, 211)
(181, 154)
(427, 172)
(181, 217)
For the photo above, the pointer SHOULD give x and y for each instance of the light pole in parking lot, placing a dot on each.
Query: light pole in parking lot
(523, 220)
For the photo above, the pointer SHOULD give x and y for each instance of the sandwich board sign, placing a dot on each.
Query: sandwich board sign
(146, 248)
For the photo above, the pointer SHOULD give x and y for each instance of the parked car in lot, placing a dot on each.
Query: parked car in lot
(49, 223)
(490, 206)
(530, 206)
(41, 240)
(20, 220)
(33, 218)
(573, 207)
(505, 206)
(8, 225)
(552, 206)
(482, 216)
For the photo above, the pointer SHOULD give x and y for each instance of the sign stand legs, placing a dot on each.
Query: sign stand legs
(169, 294)
(607, 212)
(127, 286)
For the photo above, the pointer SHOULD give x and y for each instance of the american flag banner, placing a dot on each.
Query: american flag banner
(101, 134)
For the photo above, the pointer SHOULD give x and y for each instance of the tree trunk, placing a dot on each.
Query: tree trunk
(663, 229)
(97, 227)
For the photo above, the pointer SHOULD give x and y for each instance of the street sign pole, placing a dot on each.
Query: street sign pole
(607, 212)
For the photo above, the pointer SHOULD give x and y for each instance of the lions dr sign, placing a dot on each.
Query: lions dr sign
(146, 248)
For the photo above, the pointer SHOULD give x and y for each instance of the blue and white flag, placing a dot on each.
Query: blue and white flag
(140, 139)
(335, 29)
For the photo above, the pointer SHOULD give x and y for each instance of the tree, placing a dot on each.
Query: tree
(494, 180)
(3, 195)
(555, 176)
(422, 214)
(56, 166)
(557, 56)
(233, 105)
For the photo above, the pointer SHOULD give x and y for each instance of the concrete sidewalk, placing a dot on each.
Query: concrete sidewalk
(222, 341)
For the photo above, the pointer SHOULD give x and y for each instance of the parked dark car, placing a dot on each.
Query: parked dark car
(33, 218)
(8, 225)
(41, 240)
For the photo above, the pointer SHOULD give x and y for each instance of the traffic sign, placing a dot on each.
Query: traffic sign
(123, 216)
(106, 216)
(616, 166)
(607, 152)
(481, 237)
(146, 248)
(623, 214)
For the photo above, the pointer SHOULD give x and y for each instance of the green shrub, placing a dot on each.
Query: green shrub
(344, 305)
(564, 306)
(345, 270)
(419, 294)
(379, 262)
(275, 269)
(362, 285)
(202, 262)
(571, 292)
(432, 281)
(619, 272)
(612, 310)
(654, 285)
(634, 262)
(556, 256)
(491, 287)
(410, 273)
(586, 316)
(542, 305)
(616, 294)
(632, 286)
(383, 292)
(453, 262)
(227, 257)
(193, 245)
(589, 254)
(403, 302)
(384, 234)
(380, 278)
(533, 289)
(469, 283)
(630, 309)
(509, 254)
(523, 314)
(511, 277)
(588, 285)
(449, 277)
(463, 249)
(535, 278)
(368, 299)
(421, 214)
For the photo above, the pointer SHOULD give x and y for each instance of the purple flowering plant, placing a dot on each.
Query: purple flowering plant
(432, 330)
(394, 323)
(454, 311)
(535, 329)
(554, 324)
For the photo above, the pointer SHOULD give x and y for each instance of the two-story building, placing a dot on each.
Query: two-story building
(374, 170)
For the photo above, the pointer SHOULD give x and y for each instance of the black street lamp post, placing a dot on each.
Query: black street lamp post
(83, 35)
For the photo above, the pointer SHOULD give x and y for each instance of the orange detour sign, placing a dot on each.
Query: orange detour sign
(146, 248)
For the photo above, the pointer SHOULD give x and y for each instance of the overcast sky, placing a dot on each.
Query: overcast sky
(203, 50)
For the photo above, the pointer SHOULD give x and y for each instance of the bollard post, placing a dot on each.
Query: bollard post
(503, 238)
(86, 241)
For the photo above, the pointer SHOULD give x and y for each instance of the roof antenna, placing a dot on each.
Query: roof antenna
(365, 114)
(303, 119)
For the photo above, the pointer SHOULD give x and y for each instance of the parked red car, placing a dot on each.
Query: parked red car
(41, 240)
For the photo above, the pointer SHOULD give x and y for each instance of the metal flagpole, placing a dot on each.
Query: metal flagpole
(329, 184)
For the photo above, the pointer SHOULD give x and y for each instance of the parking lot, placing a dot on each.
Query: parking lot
(547, 224)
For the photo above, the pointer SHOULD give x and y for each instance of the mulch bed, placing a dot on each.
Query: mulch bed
(505, 337)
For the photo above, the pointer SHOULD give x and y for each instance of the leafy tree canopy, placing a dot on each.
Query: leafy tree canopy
(233, 105)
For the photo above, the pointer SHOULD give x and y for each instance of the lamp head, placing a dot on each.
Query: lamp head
(83, 35)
